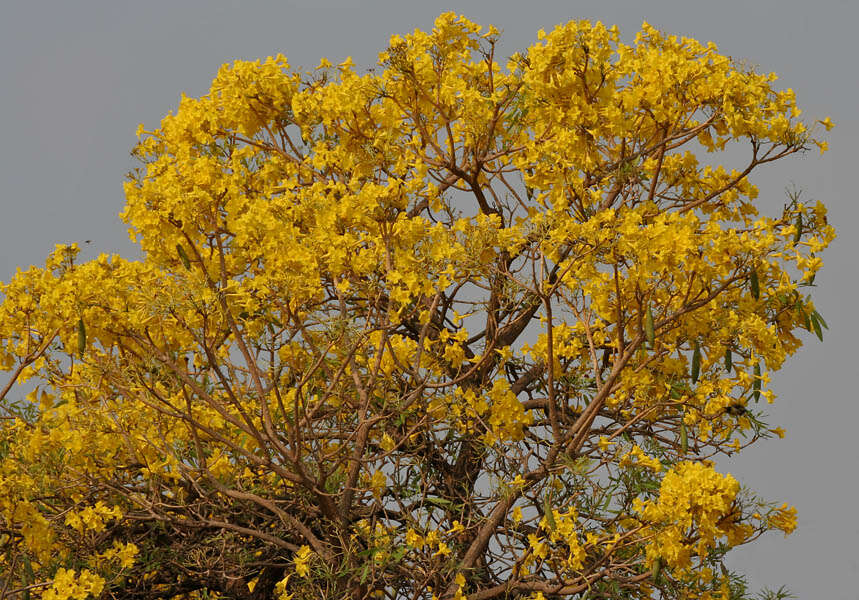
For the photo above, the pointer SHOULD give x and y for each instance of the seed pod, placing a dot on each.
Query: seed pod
(183, 257)
(684, 439)
(81, 338)
(754, 284)
(728, 359)
(648, 327)
(798, 225)
(756, 384)
(696, 362)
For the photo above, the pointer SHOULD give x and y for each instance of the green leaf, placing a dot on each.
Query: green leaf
(547, 511)
(399, 553)
(815, 323)
(29, 577)
(648, 327)
(696, 362)
(820, 318)
(183, 257)
(755, 285)
(657, 569)
(81, 338)
(728, 359)
(756, 384)
(439, 501)
(684, 439)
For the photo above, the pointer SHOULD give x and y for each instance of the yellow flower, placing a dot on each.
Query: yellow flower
(301, 560)
(784, 518)
(457, 527)
(126, 554)
(280, 589)
(518, 481)
(538, 546)
(387, 444)
(378, 481)
(443, 549)
(413, 539)
(460, 591)
(517, 514)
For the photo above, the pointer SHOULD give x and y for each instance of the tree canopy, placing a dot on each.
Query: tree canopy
(448, 328)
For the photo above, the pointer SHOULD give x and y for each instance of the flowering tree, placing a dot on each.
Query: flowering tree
(446, 329)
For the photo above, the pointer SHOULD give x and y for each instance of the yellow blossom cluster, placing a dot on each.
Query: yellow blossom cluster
(70, 585)
(784, 518)
(695, 508)
(122, 552)
(637, 457)
(92, 518)
(302, 560)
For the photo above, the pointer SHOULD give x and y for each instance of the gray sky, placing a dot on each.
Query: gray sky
(77, 77)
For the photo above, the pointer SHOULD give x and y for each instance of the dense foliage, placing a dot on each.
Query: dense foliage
(444, 329)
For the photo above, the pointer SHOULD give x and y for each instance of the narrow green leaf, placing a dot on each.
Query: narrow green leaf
(183, 257)
(657, 569)
(755, 285)
(798, 225)
(81, 338)
(605, 502)
(439, 501)
(547, 510)
(696, 362)
(648, 327)
(820, 318)
(756, 384)
(728, 359)
(29, 577)
(815, 323)
(684, 439)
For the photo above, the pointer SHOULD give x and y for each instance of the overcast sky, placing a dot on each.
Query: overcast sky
(76, 78)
